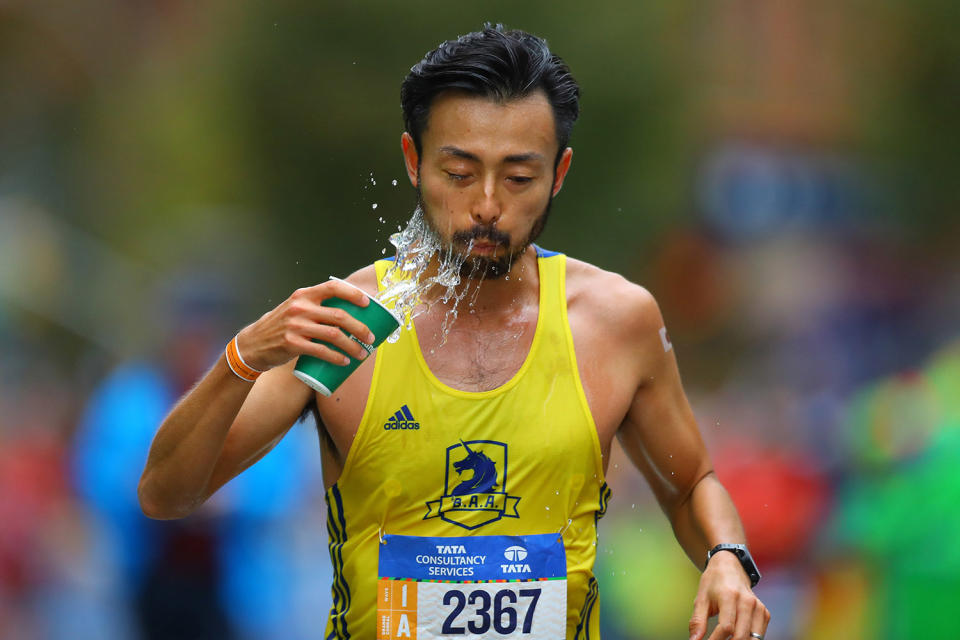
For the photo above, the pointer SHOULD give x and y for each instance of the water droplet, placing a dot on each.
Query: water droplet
(380, 219)
(633, 506)
(672, 473)
(383, 252)
(393, 182)
(374, 205)
(548, 508)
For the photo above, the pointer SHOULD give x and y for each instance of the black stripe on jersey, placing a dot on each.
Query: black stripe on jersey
(337, 528)
(333, 537)
(583, 628)
(605, 494)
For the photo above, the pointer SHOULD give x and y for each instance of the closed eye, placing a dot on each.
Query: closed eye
(520, 179)
(457, 177)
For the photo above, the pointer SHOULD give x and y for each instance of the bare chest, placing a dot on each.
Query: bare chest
(479, 356)
(475, 353)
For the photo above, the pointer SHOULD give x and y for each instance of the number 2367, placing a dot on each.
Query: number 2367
(498, 611)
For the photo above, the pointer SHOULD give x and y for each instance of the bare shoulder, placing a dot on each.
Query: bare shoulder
(608, 299)
(365, 278)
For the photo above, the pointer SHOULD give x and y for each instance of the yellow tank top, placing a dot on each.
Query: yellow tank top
(538, 465)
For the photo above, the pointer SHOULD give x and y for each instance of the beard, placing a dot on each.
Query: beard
(484, 267)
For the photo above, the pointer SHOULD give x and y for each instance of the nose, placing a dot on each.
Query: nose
(487, 207)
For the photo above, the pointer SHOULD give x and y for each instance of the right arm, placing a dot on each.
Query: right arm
(225, 424)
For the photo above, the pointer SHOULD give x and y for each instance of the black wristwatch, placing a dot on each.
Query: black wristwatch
(743, 555)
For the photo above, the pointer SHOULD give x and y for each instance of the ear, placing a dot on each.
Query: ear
(562, 167)
(410, 157)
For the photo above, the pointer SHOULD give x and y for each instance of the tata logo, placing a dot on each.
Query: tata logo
(515, 555)
(475, 486)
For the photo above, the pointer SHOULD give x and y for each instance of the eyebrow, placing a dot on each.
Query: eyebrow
(529, 156)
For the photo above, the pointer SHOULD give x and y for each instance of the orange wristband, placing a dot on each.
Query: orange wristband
(235, 361)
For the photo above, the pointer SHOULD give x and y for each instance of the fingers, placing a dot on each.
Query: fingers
(739, 615)
(726, 618)
(698, 621)
(307, 303)
(761, 618)
(339, 289)
(331, 334)
(319, 350)
(744, 625)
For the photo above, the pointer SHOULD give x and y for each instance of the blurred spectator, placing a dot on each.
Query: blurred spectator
(227, 570)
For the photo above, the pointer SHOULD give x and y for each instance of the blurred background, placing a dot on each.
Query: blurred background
(781, 175)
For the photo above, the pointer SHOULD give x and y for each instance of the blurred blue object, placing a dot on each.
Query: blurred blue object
(109, 452)
(256, 560)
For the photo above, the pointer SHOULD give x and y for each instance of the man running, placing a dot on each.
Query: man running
(465, 464)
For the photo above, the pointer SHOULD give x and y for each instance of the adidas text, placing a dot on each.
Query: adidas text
(401, 424)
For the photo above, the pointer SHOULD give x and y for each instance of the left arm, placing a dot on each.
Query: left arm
(661, 437)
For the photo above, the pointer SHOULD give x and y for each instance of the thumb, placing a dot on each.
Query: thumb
(698, 621)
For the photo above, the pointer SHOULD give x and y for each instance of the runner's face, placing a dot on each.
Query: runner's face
(486, 175)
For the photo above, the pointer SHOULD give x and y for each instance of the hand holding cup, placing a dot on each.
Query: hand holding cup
(324, 376)
(293, 327)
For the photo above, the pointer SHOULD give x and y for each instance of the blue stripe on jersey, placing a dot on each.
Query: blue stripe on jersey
(544, 253)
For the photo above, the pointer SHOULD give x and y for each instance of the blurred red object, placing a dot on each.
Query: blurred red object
(782, 499)
(33, 482)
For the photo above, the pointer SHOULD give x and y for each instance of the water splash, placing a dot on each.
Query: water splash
(405, 284)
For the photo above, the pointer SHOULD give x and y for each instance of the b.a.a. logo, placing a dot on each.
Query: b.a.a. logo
(475, 486)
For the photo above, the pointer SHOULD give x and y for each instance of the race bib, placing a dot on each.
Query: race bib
(472, 587)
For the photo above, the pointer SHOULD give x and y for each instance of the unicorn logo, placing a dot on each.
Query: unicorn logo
(484, 478)
(475, 486)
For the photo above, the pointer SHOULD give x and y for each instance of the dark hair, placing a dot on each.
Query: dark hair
(494, 63)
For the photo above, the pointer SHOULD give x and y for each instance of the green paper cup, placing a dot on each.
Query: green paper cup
(324, 376)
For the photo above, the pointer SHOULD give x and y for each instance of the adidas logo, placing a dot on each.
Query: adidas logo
(402, 419)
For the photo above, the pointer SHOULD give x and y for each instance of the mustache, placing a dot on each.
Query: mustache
(485, 232)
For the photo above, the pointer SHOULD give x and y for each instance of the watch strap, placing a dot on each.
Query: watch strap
(743, 555)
